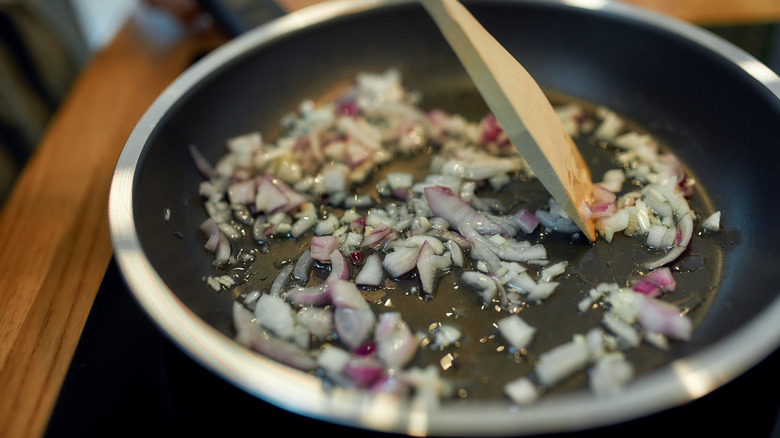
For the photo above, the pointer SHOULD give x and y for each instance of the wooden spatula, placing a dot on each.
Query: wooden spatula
(520, 107)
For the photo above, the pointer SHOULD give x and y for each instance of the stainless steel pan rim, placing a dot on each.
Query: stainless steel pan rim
(681, 381)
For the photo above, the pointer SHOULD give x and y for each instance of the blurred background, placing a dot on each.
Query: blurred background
(45, 43)
(43, 46)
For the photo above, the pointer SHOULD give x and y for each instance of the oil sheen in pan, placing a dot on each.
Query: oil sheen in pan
(481, 363)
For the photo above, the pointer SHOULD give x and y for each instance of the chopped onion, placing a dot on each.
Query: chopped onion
(309, 296)
(249, 334)
(655, 283)
(712, 223)
(323, 246)
(426, 227)
(401, 261)
(662, 317)
(516, 331)
(445, 204)
(371, 274)
(396, 345)
(560, 362)
(276, 315)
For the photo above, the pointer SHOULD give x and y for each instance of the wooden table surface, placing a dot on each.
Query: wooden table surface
(54, 227)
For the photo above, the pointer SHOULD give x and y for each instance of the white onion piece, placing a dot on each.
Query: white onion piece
(712, 223)
(456, 253)
(610, 374)
(436, 245)
(282, 280)
(428, 265)
(622, 329)
(223, 251)
(371, 274)
(242, 192)
(482, 253)
(275, 314)
(395, 343)
(552, 271)
(562, 361)
(686, 232)
(333, 359)
(483, 283)
(542, 291)
(522, 391)
(401, 261)
(303, 265)
(507, 249)
(213, 234)
(354, 320)
(516, 331)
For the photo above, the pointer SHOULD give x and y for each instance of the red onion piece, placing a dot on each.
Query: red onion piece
(339, 269)
(273, 195)
(366, 349)
(310, 296)
(378, 237)
(250, 335)
(655, 283)
(353, 317)
(602, 195)
(323, 246)
(526, 220)
(201, 163)
(348, 108)
(602, 210)
(661, 317)
(489, 128)
(363, 370)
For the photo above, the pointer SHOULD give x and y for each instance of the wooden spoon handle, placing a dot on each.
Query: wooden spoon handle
(520, 107)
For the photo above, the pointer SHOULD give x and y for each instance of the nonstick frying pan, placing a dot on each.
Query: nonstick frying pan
(716, 107)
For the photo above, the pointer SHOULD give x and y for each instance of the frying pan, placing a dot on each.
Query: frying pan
(713, 105)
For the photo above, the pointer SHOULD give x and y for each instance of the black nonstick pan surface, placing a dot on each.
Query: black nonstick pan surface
(715, 107)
